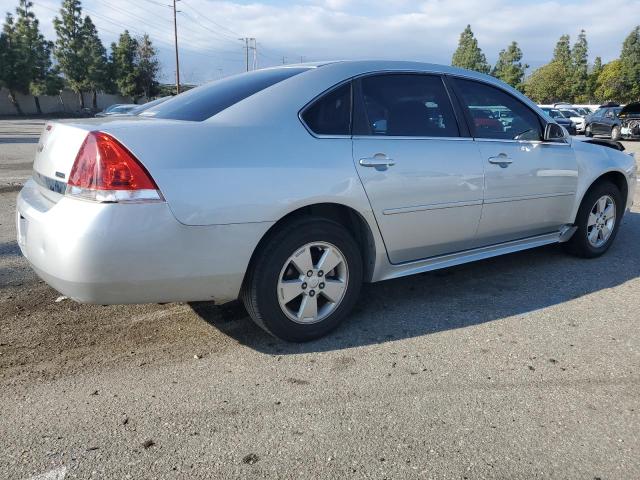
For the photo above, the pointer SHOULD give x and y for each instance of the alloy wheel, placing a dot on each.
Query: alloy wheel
(313, 282)
(602, 221)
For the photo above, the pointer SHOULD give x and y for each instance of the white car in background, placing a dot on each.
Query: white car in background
(574, 116)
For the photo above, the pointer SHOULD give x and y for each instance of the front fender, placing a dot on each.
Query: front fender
(595, 161)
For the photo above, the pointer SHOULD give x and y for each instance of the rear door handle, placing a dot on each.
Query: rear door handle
(501, 159)
(379, 160)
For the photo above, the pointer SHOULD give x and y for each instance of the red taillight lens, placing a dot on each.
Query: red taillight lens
(104, 164)
(105, 171)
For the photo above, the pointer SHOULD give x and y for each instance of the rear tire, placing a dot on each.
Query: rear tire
(596, 227)
(615, 133)
(288, 293)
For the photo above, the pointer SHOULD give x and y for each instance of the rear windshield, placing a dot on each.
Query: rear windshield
(208, 100)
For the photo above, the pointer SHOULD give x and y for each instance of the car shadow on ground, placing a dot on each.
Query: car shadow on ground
(454, 298)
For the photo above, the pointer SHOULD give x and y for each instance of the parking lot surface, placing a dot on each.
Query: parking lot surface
(525, 366)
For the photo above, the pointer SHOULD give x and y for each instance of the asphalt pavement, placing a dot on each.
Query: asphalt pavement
(520, 367)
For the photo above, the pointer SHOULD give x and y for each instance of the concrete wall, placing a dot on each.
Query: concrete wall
(67, 102)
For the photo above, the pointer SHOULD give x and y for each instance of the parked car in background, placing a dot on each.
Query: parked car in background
(583, 111)
(630, 121)
(605, 122)
(289, 186)
(117, 109)
(141, 109)
(574, 116)
(555, 114)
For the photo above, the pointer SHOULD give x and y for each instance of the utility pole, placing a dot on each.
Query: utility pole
(246, 47)
(255, 54)
(175, 34)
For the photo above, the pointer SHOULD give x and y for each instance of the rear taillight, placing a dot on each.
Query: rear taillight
(105, 171)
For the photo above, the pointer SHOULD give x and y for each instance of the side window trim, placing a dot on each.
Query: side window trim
(318, 97)
(458, 109)
(469, 120)
(359, 116)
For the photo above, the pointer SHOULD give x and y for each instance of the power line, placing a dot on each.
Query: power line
(135, 31)
(200, 24)
(231, 33)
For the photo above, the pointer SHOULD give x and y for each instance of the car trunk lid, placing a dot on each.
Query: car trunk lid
(56, 151)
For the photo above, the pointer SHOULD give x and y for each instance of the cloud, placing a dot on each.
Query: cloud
(424, 30)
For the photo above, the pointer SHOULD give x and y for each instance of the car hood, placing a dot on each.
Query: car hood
(630, 110)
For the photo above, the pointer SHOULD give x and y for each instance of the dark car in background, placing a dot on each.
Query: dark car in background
(605, 121)
(630, 121)
(557, 116)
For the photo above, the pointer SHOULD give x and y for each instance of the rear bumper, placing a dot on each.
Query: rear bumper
(131, 253)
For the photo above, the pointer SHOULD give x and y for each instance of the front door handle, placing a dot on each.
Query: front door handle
(379, 160)
(501, 159)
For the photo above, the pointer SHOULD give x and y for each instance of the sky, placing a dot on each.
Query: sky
(313, 30)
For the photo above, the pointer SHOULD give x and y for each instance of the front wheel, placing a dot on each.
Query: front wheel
(587, 131)
(597, 221)
(304, 280)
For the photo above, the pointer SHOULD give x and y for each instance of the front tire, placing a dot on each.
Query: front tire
(587, 131)
(598, 219)
(304, 280)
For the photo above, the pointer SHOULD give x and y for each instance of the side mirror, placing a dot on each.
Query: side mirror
(554, 133)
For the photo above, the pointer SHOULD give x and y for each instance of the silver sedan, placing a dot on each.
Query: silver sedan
(288, 187)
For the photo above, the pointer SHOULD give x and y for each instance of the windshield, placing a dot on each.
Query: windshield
(208, 100)
(570, 113)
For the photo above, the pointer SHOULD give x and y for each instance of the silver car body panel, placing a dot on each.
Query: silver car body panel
(227, 180)
(131, 253)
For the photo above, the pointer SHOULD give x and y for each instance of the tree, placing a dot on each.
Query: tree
(509, 67)
(630, 64)
(562, 51)
(611, 82)
(26, 55)
(70, 44)
(468, 54)
(579, 67)
(123, 58)
(13, 76)
(147, 68)
(562, 63)
(546, 85)
(43, 78)
(592, 80)
(94, 58)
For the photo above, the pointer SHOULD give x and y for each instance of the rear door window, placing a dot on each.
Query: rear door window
(331, 113)
(405, 105)
(208, 100)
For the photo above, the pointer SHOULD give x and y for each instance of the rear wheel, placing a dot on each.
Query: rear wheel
(615, 133)
(597, 221)
(304, 280)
